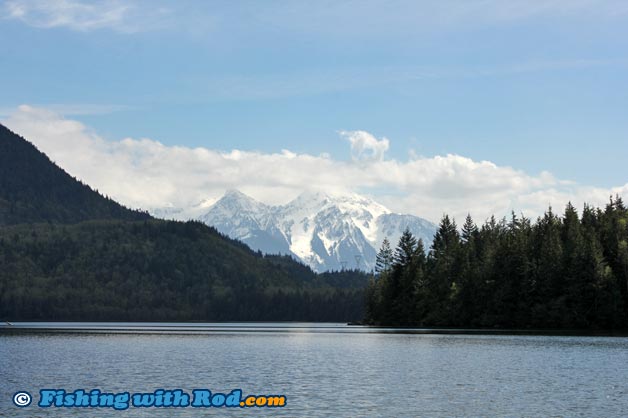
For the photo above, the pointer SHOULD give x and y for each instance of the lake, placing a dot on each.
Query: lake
(323, 370)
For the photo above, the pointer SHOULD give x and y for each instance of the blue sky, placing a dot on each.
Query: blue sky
(536, 86)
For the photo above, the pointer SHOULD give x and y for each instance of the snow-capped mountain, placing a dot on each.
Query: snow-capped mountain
(325, 232)
(254, 223)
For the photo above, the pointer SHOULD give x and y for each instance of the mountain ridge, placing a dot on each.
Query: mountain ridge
(324, 231)
(35, 189)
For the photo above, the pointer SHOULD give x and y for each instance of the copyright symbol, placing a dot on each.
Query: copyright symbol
(22, 399)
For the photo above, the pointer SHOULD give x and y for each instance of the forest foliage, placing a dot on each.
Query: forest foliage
(566, 271)
(161, 271)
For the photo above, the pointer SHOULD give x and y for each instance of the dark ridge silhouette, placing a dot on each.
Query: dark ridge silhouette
(34, 189)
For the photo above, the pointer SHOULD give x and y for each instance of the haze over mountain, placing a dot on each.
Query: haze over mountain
(326, 232)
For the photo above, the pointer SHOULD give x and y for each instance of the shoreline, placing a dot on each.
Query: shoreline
(204, 328)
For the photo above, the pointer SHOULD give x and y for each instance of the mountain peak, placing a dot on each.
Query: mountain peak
(327, 231)
(310, 198)
(234, 201)
(235, 193)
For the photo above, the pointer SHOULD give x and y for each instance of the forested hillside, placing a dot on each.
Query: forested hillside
(566, 271)
(33, 189)
(68, 253)
(156, 270)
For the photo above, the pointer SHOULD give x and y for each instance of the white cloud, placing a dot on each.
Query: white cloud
(145, 173)
(365, 147)
(83, 16)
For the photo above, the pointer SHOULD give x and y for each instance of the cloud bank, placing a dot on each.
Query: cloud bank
(144, 173)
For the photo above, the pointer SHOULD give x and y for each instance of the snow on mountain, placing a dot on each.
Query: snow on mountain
(242, 217)
(392, 225)
(194, 211)
(325, 232)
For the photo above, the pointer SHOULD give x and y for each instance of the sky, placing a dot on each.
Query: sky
(480, 106)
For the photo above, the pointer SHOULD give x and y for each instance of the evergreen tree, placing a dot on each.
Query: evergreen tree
(443, 263)
(405, 249)
(384, 258)
(469, 229)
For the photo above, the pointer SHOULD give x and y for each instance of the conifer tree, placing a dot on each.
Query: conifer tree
(469, 229)
(384, 258)
(405, 249)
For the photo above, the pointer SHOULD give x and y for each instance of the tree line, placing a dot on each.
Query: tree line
(566, 271)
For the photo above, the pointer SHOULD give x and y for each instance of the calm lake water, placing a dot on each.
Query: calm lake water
(325, 370)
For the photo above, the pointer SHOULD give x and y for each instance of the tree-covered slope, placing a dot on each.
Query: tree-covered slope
(33, 189)
(156, 270)
(68, 253)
